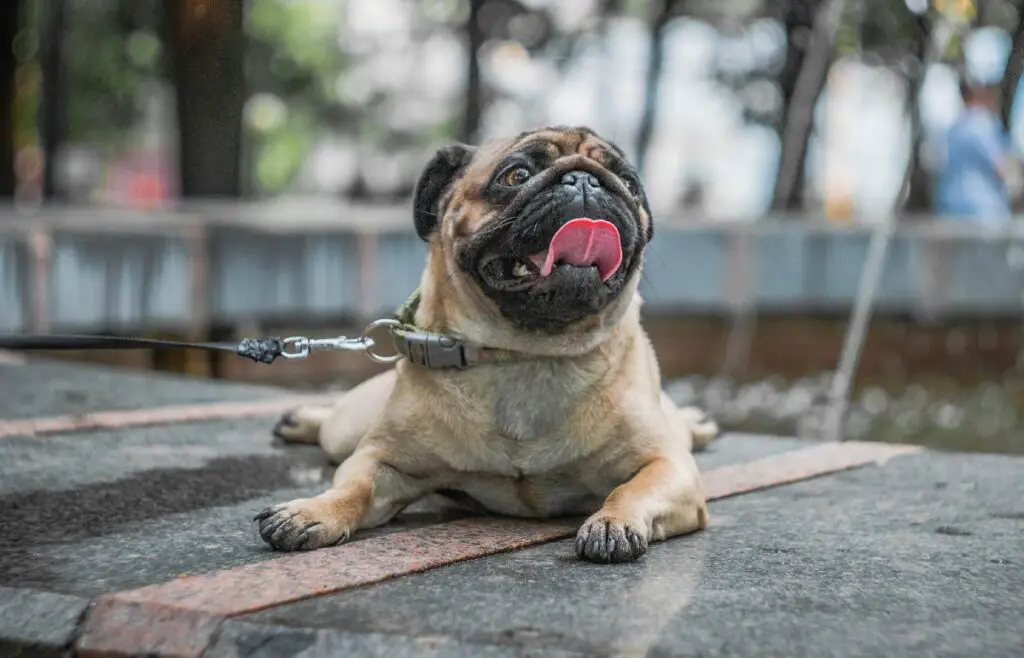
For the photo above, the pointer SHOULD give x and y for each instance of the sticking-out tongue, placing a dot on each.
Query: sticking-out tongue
(584, 243)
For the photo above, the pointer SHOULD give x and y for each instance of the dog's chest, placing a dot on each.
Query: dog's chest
(535, 401)
(539, 497)
(522, 420)
(526, 447)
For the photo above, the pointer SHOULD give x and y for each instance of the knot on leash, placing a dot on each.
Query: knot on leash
(261, 350)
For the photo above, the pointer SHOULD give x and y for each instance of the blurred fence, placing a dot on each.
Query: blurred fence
(106, 270)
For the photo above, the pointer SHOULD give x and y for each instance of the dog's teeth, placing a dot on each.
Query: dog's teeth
(520, 270)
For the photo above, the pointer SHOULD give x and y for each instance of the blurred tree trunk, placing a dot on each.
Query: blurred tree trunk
(608, 8)
(1014, 69)
(798, 21)
(982, 13)
(655, 59)
(473, 108)
(206, 45)
(54, 119)
(811, 31)
(919, 196)
(10, 19)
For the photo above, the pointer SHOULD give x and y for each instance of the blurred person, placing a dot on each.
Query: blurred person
(982, 173)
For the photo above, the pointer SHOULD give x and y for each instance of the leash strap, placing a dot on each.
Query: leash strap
(261, 350)
(427, 349)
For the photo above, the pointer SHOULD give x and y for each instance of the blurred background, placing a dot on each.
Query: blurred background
(212, 169)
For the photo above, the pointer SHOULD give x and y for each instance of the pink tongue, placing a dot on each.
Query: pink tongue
(584, 243)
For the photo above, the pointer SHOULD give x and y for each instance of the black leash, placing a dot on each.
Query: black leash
(260, 350)
(424, 348)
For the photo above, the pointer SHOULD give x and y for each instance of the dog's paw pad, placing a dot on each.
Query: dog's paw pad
(605, 539)
(294, 526)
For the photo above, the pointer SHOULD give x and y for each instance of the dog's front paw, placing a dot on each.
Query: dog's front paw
(607, 539)
(301, 525)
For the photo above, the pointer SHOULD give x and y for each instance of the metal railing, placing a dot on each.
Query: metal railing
(96, 269)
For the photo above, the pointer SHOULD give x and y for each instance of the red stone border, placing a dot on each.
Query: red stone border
(187, 413)
(179, 618)
(117, 628)
(797, 465)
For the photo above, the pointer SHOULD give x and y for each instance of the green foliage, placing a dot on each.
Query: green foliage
(297, 70)
(292, 68)
(281, 152)
(112, 50)
(294, 50)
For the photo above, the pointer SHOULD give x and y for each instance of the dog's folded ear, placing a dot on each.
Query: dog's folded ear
(437, 177)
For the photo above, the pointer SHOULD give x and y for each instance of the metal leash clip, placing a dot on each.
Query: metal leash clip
(302, 346)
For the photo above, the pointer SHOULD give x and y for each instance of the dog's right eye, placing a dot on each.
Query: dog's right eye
(515, 177)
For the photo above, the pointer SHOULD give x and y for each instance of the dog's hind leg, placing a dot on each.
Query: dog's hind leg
(703, 428)
(339, 428)
(302, 424)
(354, 414)
(699, 428)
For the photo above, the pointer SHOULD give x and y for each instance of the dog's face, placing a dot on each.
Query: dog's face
(550, 226)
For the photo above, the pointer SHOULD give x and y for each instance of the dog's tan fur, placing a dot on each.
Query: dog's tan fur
(589, 432)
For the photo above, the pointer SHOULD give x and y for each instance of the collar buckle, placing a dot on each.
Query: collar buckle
(434, 351)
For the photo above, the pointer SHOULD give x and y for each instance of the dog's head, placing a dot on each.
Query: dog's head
(542, 234)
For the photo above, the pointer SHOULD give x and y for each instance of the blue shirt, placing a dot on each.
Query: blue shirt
(969, 188)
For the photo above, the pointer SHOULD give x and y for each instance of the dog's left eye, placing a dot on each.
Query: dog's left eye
(515, 177)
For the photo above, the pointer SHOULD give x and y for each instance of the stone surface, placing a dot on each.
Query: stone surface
(105, 511)
(77, 548)
(920, 557)
(733, 448)
(242, 640)
(220, 455)
(115, 628)
(35, 623)
(51, 388)
(93, 512)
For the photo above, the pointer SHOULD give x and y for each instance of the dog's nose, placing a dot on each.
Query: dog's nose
(580, 179)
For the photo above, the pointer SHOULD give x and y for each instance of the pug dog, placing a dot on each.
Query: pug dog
(535, 249)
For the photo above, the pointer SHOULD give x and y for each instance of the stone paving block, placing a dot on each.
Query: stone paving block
(735, 448)
(214, 458)
(242, 640)
(116, 628)
(43, 387)
(38, 624)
